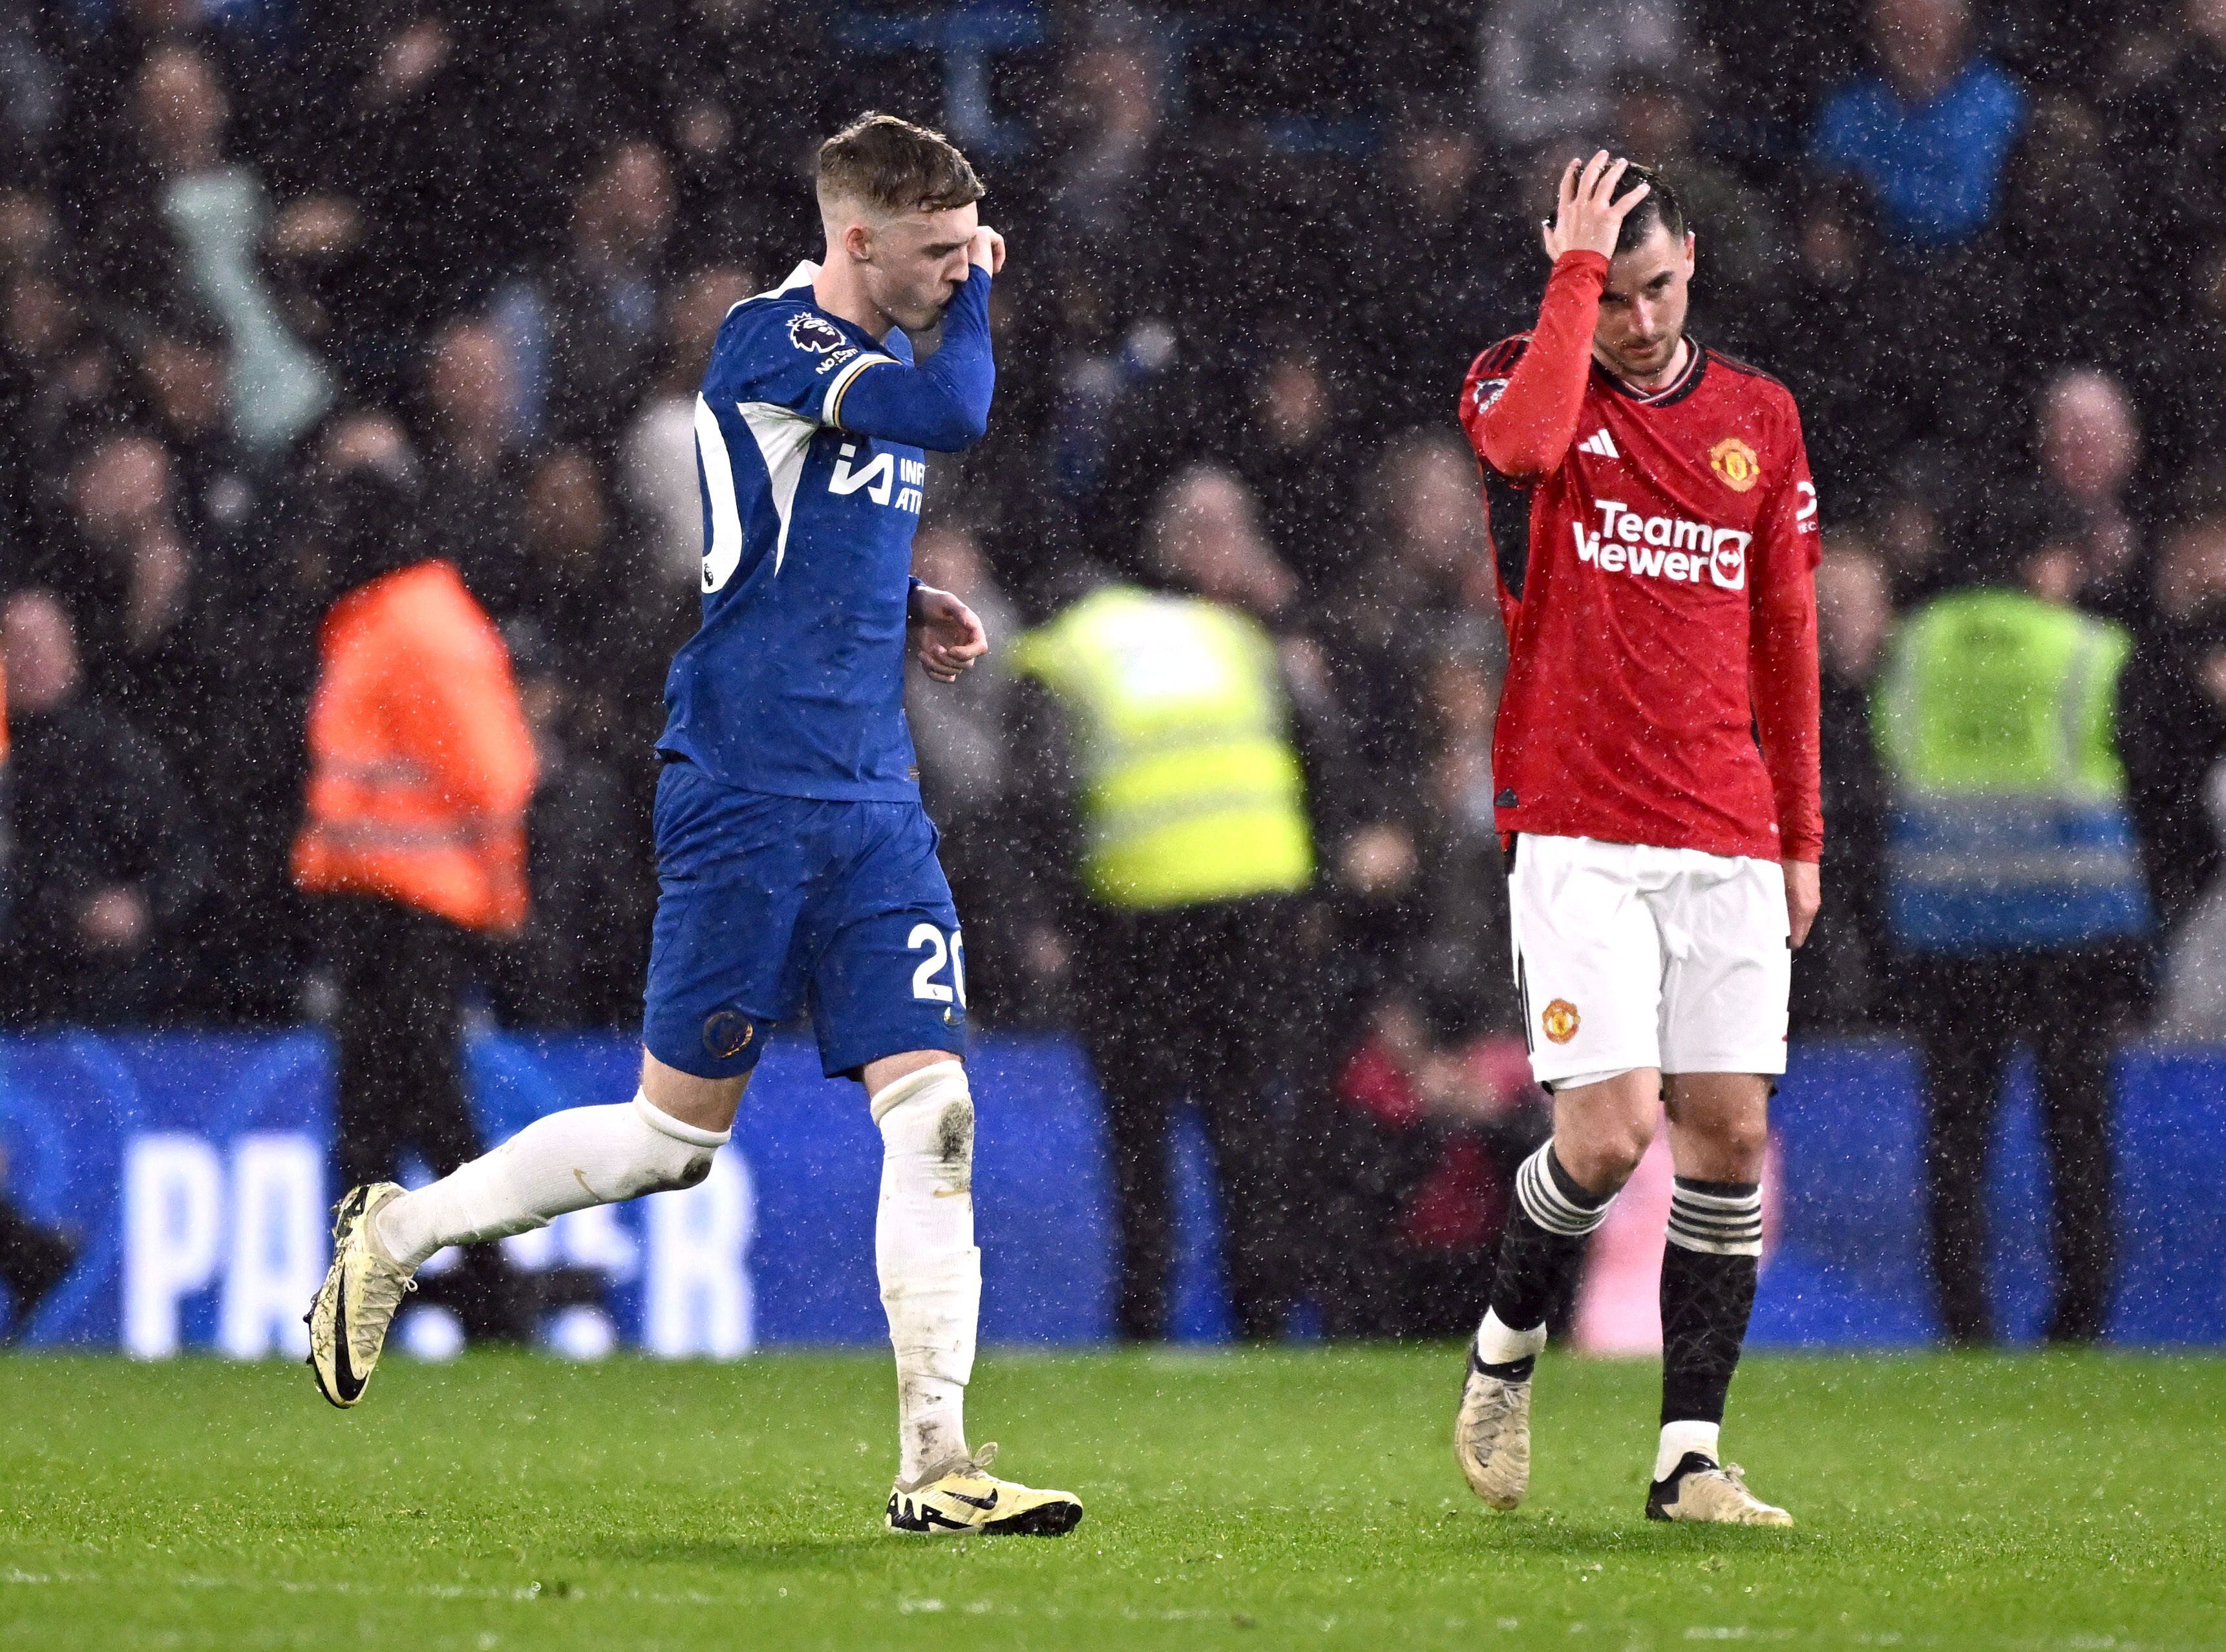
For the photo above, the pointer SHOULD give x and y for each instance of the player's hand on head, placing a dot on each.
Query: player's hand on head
(1589, 214)
(947, 635)
(988, 249)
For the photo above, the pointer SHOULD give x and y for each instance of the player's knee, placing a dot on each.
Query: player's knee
(1603, 1157)
(928, 1116)
(670, 1156)
(1620, 1158)
(1733, 1149)
(664, 1166)
(945, 1124)
(951, 1145)
(670, 1171)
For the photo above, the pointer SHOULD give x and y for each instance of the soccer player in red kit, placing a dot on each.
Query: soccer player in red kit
(1654, 767)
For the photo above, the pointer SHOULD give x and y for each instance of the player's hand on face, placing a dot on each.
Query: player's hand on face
(1804, 893)
(947, 634)
(1590, 214)
(988, 249)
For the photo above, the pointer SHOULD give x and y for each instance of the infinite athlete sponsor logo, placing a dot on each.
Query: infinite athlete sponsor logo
(815, 334)
(1558, 1020)
(1666, 548)
(884, 478)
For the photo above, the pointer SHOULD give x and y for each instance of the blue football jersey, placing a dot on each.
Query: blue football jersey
(794, 685)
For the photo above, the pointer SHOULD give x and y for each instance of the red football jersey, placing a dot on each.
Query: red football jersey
(1662, 613)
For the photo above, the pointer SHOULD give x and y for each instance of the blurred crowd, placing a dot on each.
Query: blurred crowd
(278, 280)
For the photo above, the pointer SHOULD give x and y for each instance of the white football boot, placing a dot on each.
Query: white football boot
(1698, 1489)
(1492, 1435)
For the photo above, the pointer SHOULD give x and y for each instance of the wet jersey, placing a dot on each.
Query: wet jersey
(1657, 588)
(809, 443)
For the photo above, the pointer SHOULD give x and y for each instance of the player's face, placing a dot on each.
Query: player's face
(916, 263)
(1641, 314)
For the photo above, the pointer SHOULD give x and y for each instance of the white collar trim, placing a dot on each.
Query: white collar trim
(803, 276)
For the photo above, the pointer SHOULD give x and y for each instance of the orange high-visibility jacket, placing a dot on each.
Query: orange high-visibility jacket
(420, 761)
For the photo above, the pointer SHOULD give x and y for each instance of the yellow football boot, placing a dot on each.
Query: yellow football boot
(961, 1496)
(357, 1300)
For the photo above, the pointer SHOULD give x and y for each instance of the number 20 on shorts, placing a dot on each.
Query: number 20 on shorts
(939, 952)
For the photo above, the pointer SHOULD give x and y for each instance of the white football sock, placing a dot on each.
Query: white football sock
(567, 1161)
(1499, 1344)
(1679, 1438)
(931, 1273)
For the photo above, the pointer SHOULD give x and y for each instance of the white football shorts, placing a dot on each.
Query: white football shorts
(1628, 955)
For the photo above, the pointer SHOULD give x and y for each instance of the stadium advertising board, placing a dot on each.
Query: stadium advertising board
(194, 1169)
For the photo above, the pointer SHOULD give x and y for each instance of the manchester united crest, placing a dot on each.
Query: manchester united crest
(1559, 1018)
(1734, 462)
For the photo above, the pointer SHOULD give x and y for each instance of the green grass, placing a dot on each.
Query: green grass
(1257, 1500)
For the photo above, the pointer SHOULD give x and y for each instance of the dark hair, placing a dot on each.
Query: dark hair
(893, 166)
(1661, 207)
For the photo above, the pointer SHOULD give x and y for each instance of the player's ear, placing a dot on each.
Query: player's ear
(858, 240)
(1690, 244)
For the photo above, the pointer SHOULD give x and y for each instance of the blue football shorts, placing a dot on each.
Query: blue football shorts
(768, 905)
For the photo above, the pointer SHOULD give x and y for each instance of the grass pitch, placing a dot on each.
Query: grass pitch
(1254, 1500)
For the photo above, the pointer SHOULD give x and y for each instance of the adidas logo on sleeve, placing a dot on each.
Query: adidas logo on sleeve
(1599, 444)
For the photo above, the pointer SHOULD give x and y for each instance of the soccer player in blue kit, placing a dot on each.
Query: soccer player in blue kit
(796, 864)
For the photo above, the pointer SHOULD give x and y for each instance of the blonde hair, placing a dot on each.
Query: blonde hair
(892, 166)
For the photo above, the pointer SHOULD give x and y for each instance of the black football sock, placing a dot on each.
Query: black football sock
(1540, 1253)
(1708, 1293)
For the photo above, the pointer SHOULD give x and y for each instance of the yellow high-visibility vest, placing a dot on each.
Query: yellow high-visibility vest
(1996, 721)
(1192, 791)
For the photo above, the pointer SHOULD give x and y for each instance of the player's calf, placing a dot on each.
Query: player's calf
(924, 1256)
(1708, 1270)
(1539, 1255)
(567, 1161)
(931, 1277)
